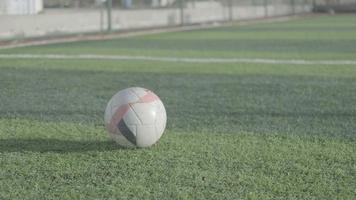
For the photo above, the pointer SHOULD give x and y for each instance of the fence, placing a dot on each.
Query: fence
(332, 6)
(62, 17)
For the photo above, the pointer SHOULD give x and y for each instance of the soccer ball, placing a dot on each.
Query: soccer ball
(135, 117)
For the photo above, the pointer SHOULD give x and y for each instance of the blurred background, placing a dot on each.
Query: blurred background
(38, 18)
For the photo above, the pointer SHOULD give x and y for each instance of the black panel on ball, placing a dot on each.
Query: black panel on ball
(126, 132)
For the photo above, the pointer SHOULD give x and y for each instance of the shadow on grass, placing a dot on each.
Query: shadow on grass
(55, 145)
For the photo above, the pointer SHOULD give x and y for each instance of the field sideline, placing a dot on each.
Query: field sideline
(236, 130)
(180, 59)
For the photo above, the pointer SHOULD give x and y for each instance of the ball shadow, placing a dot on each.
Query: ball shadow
(56, 145)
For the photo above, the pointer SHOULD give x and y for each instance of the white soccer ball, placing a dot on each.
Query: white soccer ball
(135, 117)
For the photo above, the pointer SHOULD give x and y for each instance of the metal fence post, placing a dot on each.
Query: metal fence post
(230, 4)
(181, 12)
(109, 9)
(293, 7)
(265, 3)
(314, 4)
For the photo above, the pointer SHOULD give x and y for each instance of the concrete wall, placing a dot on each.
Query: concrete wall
(2, 7)
(64, 21)
(20, 7)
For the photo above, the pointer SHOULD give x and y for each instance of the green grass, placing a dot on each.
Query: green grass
(249, 131)
(309, 38)
(70, 160)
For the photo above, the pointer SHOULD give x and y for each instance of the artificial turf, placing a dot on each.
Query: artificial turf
(250, 131)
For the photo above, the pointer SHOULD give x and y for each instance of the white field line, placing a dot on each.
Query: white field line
(179, 59)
